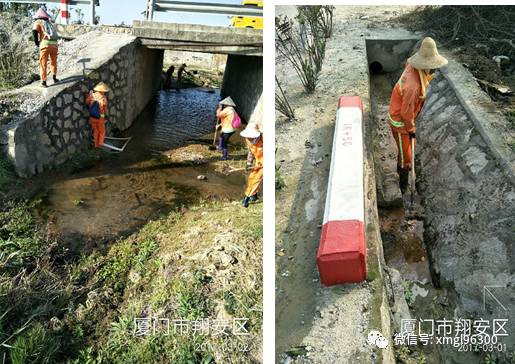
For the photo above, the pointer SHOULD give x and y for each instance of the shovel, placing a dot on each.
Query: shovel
(412, 172)
(213, 146)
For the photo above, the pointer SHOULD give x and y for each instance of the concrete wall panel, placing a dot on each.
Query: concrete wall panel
(243, 81)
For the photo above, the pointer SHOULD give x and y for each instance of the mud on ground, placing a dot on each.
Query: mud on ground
(198, 259)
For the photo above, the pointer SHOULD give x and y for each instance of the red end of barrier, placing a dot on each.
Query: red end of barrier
(341, 256)
(350, 101)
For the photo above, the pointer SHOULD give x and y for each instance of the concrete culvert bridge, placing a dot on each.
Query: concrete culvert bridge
(53, 124)
(457, 242)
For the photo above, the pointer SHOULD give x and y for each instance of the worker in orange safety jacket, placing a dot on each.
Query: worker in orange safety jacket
(97, 104)
(408, 96)
(45, 37)
(254, 141)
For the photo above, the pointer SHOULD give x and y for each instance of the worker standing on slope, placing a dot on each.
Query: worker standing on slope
(254, 140)
(229, 122)
(45, 37)
(407, 99)
(97, 104)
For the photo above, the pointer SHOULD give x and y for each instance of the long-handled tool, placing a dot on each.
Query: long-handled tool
(412, 172)
(213, 146)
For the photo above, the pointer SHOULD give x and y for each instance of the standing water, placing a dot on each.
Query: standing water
(127, 189)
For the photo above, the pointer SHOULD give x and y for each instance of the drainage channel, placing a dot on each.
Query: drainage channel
(402, 230)
(158, 172)
(415, 292)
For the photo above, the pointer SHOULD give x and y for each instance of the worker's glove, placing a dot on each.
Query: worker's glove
(412, 135)
(248, 166)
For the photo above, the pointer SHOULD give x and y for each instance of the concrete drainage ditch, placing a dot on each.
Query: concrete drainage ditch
(459, 240)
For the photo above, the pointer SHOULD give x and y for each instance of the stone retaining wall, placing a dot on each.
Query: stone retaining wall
(466, 178)
(60, 128)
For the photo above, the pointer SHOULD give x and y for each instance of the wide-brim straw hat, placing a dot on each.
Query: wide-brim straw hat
(427, 56)
(41, 14)
(251, 131)
(101, 87)
(227, 102)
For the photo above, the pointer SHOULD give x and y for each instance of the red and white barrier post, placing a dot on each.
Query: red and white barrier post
(341, 256)
(65, 14)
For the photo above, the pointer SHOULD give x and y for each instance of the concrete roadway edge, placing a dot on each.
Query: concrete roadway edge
(380, 315)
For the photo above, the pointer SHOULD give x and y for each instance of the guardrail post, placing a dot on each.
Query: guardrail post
(150, 9)
(65, 14)
(92, 12)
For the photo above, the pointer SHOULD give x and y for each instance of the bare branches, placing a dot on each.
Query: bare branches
(303, 44)
(281, 102)
(469, 25)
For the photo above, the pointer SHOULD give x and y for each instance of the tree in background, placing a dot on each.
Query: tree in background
(80, 16)
(21, 9)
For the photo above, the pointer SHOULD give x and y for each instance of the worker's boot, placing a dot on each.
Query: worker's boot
(225, 154)
(220, 144)
(43, 83)
(55, 79)
(403, 179)
(245, 202)
(254, 197)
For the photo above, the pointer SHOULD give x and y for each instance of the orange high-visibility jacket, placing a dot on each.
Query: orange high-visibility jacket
(408, 96)
(257, 151)
(44, 41)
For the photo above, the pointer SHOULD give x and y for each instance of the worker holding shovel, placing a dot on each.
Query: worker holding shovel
(97, 105)
(254, 140)
(407, 99)
(229, 121)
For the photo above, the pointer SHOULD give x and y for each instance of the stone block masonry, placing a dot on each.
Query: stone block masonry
(60, 127)
(466, 178)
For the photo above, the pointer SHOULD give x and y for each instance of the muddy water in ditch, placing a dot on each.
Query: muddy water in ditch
(402, 227)
(402, 235)
(127, 189)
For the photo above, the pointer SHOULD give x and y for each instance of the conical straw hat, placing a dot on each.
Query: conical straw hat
(41, 14)
(251, 131)
(427, 56)
(101, 87)
(227, 101)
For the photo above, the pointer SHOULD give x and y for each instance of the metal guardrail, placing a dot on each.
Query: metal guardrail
(198, 7)
(71, 2)
(64, 6)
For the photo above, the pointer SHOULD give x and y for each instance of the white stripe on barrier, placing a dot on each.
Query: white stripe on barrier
(345, 190)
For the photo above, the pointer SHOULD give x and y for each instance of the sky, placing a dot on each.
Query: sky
(118, 11)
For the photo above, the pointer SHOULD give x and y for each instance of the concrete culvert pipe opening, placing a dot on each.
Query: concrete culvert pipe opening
(375, 68)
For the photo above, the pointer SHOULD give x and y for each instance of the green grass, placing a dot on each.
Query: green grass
(83, 311)
(35, 346)
(7, 174)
